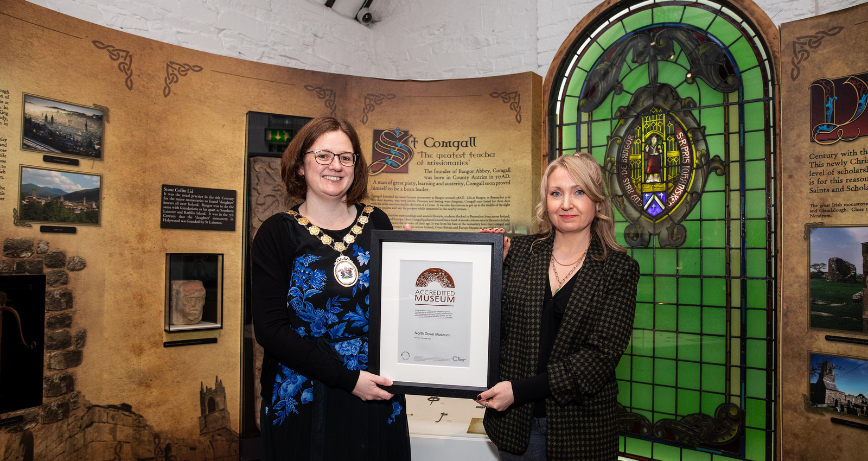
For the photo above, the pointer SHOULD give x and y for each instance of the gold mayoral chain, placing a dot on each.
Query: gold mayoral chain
(346, 273)
(566, 277)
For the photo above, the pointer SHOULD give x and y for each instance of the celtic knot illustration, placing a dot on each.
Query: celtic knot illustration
(174, 72)
(370, 101)
(514, 101)
(801, 46)
(125, 57)
(326, 94)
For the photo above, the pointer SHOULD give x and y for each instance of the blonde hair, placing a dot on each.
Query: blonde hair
(588, 175)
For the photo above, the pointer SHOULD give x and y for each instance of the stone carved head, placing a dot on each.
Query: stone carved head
(188, 300)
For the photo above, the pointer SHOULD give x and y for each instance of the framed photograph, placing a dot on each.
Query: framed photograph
(837, 266)
(49, 195)
(838, 385)
(51, 126)
(435, 311)
(194, 291)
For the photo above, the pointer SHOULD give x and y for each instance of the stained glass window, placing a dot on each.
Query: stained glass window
(675, 100)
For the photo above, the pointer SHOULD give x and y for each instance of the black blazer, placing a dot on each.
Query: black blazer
(596, 328)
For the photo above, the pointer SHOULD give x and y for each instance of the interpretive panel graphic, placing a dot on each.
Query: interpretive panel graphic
(837, 271)
(838, 109)
(63, 128)
(434, 313)
(199, 208)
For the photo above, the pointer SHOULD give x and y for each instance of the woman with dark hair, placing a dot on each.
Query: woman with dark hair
(569, 295)
(310, 309)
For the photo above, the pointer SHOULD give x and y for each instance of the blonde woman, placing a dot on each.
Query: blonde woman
(569, 295)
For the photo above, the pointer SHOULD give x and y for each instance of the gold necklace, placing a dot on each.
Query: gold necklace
(570, 264)
(566, 277)
(346, 272)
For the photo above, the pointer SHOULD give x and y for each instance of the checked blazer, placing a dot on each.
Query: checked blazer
(595, 330)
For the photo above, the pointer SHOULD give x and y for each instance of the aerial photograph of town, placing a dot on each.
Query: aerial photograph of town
(53, 126)
(53, 196)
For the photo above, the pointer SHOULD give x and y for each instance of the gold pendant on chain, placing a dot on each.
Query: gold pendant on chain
(346, 273)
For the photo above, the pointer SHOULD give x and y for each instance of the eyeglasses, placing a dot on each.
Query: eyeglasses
(325, 157)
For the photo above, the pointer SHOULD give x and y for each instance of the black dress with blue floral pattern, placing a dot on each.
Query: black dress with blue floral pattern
(314, 332)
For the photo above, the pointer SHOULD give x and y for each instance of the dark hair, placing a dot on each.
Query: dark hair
(293, 158)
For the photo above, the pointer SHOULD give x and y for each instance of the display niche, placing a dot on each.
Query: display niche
(194, 291)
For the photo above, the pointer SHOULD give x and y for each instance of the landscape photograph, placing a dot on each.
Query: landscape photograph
(62, 128)
(839, 384)
(837, 278)
(55, 196)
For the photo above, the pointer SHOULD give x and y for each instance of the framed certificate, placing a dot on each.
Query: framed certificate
(435, 311)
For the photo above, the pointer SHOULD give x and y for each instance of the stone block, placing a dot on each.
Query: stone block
(841, 271)
(58, 300)
(42, 247)
(55, 411)
(64, 360)
(57, 278)
(6, 266)
(58, 384)
(61, 320)
(76, 263)
(18, 248)
(55, 259)
(99, 432)
(28, 266)
(57, 340)
(124, 433)
(80, 339)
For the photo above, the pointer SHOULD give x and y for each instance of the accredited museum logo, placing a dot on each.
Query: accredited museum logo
(391, 152)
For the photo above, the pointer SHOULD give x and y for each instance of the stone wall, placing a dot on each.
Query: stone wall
(411, 39)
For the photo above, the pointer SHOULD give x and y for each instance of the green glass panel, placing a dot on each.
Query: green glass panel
(755, 204)
(622, 371)
(619, 100)
(664, 344)
(637, 20)
(574, 87)
(638, 77)
(756, 323)
(714, 292)
(643, 342)
(712, 205)
(688, 376)
(619, 229)
(589, 57)
(689, 291)
(610, 35)
(668, 14)
(692, 228)
(686, 90)
(644, 317)
(745, 58)
(664, 399)
(752, 81)
(756, 294)
(645, 258)
(754, 116)
(570, 109)
(645, 289)
(755, 383)
(713, 262)
(722, 30)
(624, 393)
(755, 444)
(665, 289)
(697, 17)
(712, 120)
(723, 458)
(713, 234)
(755, 145)
(638, 447)
(716, 147)
(689, 346)
(715, 182)
(755, 413)
(681, 59)
(568, 137)
(664, 317)
(713, 378)
(671, 74)
(713, 349)
(688, 402)
(599, 152)
(666, 452)
(710, 97)
(755, 175)
(690, 455)
(599, 131)
(756, 233)
(688, 263)
(756, 263)
(643, 369)
(622, 443)
(734, 200)
(710, 402)
(604, 111)
(714, 320)
(665, 262)
(642, 396)
(664, 372)
(756, 353)
(688, 317)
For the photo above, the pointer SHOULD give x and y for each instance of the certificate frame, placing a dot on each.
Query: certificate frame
(479, 253)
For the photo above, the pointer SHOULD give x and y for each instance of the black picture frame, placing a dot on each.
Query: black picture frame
(383, 250)
(66, 135)
(206, 268)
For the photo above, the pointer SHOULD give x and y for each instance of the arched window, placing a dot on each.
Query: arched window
(675, 99)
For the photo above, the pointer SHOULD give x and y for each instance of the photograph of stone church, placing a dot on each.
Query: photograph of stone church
(839, 385)
(838, 263)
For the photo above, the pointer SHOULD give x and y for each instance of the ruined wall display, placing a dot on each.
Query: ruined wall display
(470, 153)
(824, 86)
